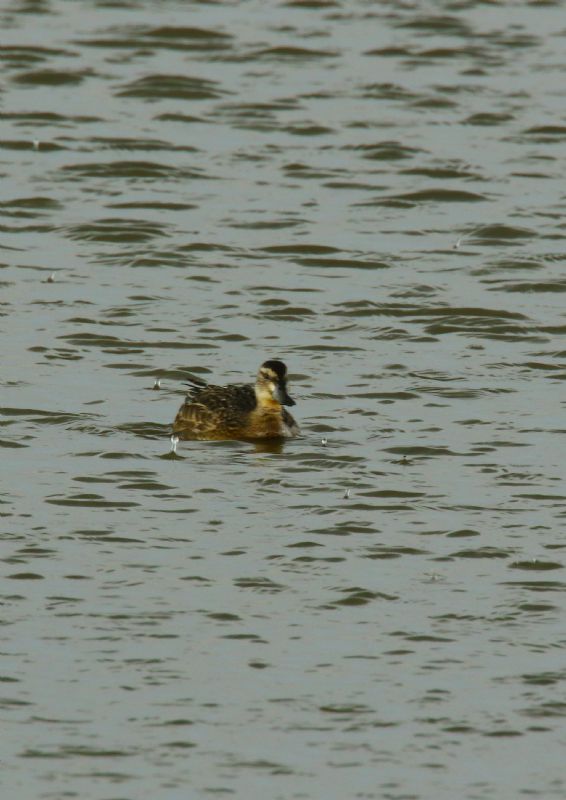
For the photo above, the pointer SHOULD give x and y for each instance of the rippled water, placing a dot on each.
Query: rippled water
(374, 193)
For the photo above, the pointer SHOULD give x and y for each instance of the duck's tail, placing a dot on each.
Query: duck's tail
(195, 384)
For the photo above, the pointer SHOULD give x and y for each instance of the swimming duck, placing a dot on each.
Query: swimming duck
(238, 411)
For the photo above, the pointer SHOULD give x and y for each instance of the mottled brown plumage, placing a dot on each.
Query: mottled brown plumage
(238, 411)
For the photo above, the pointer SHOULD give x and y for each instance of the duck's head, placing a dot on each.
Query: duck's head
(271, 384)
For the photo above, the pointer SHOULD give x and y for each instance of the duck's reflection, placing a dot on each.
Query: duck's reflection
(268, 445)
(274, 446)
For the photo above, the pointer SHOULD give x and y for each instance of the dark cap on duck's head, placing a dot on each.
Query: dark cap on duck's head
(278, 367)
(274, 374)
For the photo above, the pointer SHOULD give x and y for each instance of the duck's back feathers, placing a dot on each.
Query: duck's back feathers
(240, 396)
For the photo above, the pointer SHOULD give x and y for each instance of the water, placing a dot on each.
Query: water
(372, 192)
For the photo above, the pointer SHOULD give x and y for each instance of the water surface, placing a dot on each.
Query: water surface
(372, 192)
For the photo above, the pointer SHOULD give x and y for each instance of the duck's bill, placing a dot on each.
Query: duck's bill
(280, 394)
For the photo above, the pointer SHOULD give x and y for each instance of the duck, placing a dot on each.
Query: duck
(240, 410)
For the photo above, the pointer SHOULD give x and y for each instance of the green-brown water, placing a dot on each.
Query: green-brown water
(374, 193)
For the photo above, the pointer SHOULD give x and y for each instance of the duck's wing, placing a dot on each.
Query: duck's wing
(212, 411)
(239, 397)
